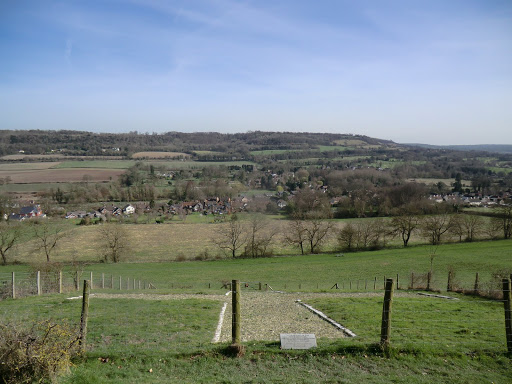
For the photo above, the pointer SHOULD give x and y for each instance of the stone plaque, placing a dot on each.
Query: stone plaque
(297, 340)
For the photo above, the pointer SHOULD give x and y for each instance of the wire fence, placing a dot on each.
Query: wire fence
(428, 322)
(36, 283)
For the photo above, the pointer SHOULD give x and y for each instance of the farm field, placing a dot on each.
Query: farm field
(158, 155)
(61, 175)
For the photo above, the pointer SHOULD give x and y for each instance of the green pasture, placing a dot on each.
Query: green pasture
(268, 152)
(169, 341)
(107, 164)
(309, 272)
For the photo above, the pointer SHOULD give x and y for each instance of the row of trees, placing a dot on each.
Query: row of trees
(255, 237)
(310, 232)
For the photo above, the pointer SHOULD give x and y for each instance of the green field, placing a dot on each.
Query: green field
(162, 340)
(108, 164)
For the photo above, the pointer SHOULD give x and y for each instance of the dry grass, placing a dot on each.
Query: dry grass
(32, 157)
(26, 166)
(59, 175)
(159, 155)
(147, 243)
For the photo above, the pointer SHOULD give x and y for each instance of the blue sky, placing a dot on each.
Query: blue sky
(436, 72)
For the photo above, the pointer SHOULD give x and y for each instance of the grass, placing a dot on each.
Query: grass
(169, 341)
(108, 164)
(153, 253)
(423, 324)
(162, 341)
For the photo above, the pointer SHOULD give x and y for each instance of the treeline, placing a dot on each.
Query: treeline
(124, 144)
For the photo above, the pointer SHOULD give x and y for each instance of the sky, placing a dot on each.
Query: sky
(425, 71)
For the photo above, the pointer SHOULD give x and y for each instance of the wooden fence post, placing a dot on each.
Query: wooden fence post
(91, 286)
(13, 285)
(375, 283)
(60, 281)
(111, 281)
(235, 332)
(83, 318)
(508, 312)
(449, 285)
(397, 285)
(102, 280)
(120, 283)
(477, 283)
(38, 280)
(385, 331)
(77, 281)
(429, 278)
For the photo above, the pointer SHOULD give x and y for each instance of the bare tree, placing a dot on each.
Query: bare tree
(115, 241)
(347, 237)
(435, 226)
(9, 236)
(473, 225)
(316, 231)
(48, 235)
(259, 237)
(503, 217)
(231, 236)
(296, 234)
(404, 225)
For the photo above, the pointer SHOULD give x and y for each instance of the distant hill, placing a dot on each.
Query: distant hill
(496, 148)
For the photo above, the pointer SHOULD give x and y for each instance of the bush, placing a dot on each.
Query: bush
(38, 354)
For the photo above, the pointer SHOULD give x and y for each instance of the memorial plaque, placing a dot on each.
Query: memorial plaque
(297, 340)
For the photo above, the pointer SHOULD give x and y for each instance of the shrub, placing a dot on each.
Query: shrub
(37, 354)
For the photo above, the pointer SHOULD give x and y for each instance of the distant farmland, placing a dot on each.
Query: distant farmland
(61, 175)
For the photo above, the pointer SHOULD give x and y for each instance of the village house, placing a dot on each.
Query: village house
(31, 211)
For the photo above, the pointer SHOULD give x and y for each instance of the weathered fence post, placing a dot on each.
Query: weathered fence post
(375, 283)
(60, 281)
(77, 281)
(449, 285)
(111, 281)
(429, 278)
(102, 280)
(91, 286)
(83, 319)
(38, 281)
(476, 288)
(385, 331)
(259, 286)
(508, 312)
(397, 284)
(384, 285)
(13, 285)
(120, 283)
(235, 332)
